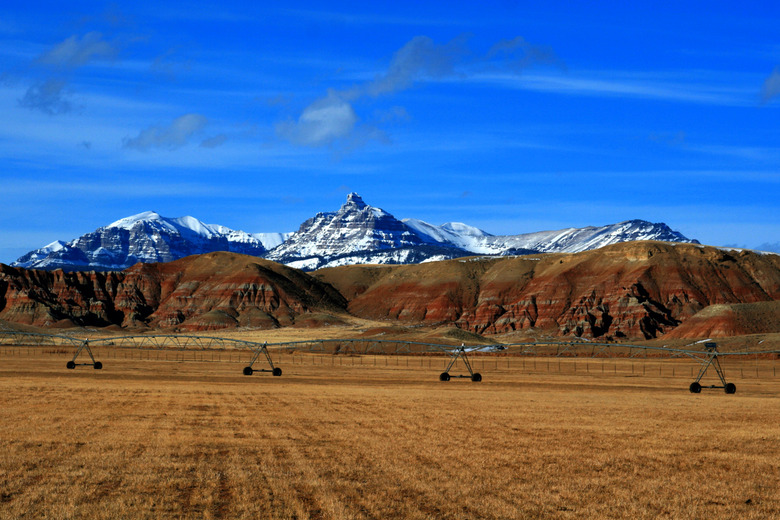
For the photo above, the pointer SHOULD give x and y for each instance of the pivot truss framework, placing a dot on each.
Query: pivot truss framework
(83, 347)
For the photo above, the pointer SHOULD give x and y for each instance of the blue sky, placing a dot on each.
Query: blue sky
(511, 116)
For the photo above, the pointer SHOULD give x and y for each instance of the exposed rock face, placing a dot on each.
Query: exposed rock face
(629, 290)
(210, 291)
(634, 290)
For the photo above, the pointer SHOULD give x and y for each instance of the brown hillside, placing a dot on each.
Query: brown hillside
(629, 290)
(721, 320)
(637, 289)
(202, 292)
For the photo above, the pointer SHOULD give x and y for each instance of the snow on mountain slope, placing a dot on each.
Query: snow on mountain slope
(145, 237)
(453, 233)
(271, 240)
(356, 233)
(39, 254)
(571, 240)
(574, 240)
(355, 228)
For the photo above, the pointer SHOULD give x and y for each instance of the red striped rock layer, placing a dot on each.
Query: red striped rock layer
(635, 290)
(632, 290)
(203, 292)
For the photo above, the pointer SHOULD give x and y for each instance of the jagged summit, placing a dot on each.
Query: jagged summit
(355, 229)
(355, 200)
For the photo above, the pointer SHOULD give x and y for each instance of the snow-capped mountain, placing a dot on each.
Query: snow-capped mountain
(355, 234)
(453, 233)
(358, 234)
(146, 237)
(571, 240)
(38, 255)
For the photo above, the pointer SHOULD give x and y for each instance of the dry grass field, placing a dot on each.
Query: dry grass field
(341, 437)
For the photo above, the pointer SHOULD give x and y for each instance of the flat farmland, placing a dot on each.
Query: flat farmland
(185, 435)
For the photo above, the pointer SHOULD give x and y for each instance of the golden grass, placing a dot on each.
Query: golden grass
(340, 437)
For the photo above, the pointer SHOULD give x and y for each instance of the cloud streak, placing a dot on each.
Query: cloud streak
(74, 52)
(332, 119)
(48, 97)
(609, 84)
(771, 86)
(419, 59)
(170, 137)
(518, 54)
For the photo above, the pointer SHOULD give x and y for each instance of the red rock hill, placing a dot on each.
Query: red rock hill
(632, 290)
(636, 290)
(214, 290)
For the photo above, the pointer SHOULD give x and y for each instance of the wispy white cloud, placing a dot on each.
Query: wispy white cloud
(752, 153)
(327, 119)
(420, 58)
(49, 97)
(76, 52)
(519, 54)
(171, 137)
(332, 118)
(612, 84)
(771, 87)
(52, 95)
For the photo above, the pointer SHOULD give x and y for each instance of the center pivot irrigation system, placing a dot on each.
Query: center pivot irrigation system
(708, 357)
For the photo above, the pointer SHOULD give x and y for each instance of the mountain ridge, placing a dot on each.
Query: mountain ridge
(356, 233)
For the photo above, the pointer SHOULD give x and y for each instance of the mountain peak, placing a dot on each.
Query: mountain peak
(357, 231)
(128, 222)
(354, 199)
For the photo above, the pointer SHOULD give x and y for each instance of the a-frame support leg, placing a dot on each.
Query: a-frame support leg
(460, 353)
(249, 370)
(84, 347)
(712, 360)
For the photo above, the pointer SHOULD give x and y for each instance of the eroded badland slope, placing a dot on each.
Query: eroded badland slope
(632, 290)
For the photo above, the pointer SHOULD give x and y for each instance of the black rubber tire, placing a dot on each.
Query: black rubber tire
(476, 377)
(98, 365)
(731, 388)
(277, 372)
(695, 388)
(248, 371)
(71, 365)
(444, 376)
